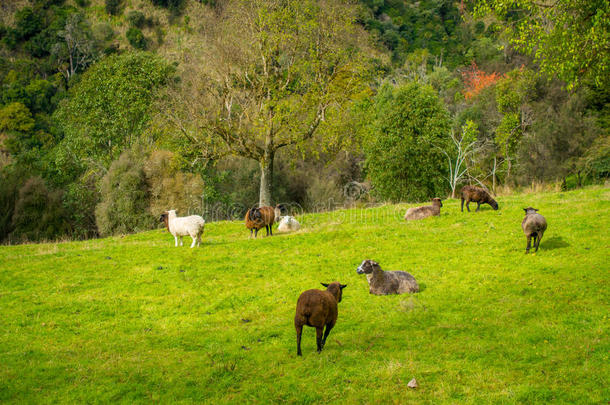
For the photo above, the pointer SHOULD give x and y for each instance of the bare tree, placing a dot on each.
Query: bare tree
(76, 50)
(465, 148)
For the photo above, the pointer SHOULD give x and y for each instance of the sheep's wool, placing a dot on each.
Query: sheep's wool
(288, 224)
(182, 226)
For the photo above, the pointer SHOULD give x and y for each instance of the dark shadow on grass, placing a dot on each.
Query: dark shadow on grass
(556, 242)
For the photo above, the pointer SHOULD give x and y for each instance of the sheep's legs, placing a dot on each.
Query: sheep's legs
(176, 238)
(326, 332)
(468, 205)
(194, 238)
(529, 244)
(319, 338)
(478, 206)
(462, 204)
(538, 241)
(299, 332)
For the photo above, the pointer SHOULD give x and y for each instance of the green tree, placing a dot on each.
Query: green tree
(569, 39)
(512, 94)
(404, 157)
(18, 128)
(273, 71)
(109, 107)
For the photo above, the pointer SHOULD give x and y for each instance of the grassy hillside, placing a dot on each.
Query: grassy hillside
(135, 319)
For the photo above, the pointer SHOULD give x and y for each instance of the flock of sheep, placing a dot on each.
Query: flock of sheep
(318, 308)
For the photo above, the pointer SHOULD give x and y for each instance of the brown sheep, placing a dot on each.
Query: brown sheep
(387, 282)
(478, 195)
(317, 308)
(425, 211)
(533, 225)
(257, 218)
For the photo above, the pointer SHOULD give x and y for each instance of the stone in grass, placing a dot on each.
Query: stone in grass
(412, 384)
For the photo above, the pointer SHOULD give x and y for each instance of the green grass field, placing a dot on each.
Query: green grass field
(134, 319)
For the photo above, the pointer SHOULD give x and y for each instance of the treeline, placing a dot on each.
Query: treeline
(212, 106)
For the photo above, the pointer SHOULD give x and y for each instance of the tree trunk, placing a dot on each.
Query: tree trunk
(266, 178)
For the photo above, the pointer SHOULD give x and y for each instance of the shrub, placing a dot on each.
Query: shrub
(83, 3)
(38, 212)
(27, 23)
(79, 201)
(403, 149)
(479, 27)
(10, 182)
(124, 197)
(174, 5)
(113, 7)
(137, 19)
(169, 187)
(136, 38)
(103, 32)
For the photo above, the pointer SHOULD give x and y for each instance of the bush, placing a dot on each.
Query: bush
(124, 197)
(596, 161)
(174, 5)
(10, 182)
(479, 27)
(27, 23)
(403, 147)
(137, 19)
(103, 32)
(170, 188)
(83, 3)
(38, 213)
(113, 7)
(79, 201)
(136, 38)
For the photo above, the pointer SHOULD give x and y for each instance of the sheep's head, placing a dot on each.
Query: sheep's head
(279, 210)
(335, 288)
(493, 204)
(255, 214)
(437, 201)
(165, 219)
(530, 210)
(367, 267)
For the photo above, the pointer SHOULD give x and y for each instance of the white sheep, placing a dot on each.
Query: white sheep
(288, 224)
(182, 226)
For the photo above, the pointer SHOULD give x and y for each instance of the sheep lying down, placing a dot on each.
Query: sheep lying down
(288, 224)
(387, 282)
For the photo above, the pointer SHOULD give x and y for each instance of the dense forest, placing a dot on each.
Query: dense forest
(112, 111)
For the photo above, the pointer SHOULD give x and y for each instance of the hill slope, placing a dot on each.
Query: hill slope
(135, 319)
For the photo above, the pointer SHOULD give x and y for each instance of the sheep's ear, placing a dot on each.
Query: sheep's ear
(325, 285)
(343, 286)
(525, 209)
